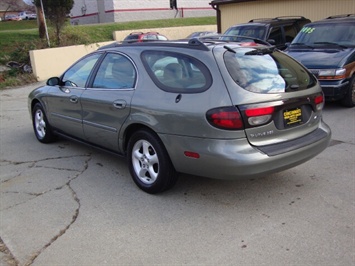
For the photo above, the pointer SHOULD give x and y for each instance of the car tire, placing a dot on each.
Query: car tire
(349, 98)
(149, 163)
(41, 127)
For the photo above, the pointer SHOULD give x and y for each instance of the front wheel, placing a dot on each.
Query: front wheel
(349, 99)
(149, 163)
(41, 126)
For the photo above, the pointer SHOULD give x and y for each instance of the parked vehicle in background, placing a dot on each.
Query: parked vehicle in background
(142, 37)
(327, 49)
(201, 34)
(276, 31)
(211, 108)
(12, 18)
(26, 15)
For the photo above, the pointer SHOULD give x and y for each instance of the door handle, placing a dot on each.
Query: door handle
(74, 99)
(120, 104)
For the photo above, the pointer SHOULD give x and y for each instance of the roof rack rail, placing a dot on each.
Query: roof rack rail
(341, 16)
(193, 43)
(277, 18)
(290, 17)
(259, 19)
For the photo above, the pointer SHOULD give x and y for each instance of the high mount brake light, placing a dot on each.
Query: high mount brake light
(225, 118)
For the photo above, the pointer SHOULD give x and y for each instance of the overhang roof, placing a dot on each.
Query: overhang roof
(223, 2)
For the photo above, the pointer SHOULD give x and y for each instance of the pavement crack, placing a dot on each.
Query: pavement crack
(43, 160)
(8, 256)
(32, 164)
(56, 168)
(74, 217)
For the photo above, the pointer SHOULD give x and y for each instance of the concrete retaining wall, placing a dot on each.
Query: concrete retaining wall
(51, 62)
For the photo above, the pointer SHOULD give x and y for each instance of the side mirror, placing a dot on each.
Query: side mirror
(54, 81)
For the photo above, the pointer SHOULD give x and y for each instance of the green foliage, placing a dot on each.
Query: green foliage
(53, 4)
(56, 12)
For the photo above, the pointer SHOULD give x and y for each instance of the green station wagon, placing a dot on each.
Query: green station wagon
(210, 108)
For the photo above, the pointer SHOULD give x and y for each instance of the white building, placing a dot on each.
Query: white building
(104, 11)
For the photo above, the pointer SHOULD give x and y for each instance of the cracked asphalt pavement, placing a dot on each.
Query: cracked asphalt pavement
(69, 204)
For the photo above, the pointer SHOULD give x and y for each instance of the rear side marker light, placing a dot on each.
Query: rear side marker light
(225, 118)
(192, 154)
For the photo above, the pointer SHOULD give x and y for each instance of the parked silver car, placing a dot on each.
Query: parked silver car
(210, 108)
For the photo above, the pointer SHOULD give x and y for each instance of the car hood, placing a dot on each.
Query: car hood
(321, 58)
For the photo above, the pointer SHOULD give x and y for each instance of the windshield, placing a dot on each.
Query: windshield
(247, 30)
(266, 72)
(329, 33)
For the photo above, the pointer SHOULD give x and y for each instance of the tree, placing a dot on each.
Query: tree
(56, 11)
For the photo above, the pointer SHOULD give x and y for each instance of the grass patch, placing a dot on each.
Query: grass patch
(18, 25)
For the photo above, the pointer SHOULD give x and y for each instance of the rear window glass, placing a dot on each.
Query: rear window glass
(267, 73)
(175, 72)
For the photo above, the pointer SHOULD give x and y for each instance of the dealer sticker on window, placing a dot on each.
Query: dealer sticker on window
(293, 117)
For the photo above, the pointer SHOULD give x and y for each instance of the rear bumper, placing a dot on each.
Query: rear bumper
(236, 158)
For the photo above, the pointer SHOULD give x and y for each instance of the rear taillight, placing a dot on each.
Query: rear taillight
(319, 102)
(225, 118)
(259, 116)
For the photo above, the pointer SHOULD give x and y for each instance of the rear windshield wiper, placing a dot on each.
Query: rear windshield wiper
(229, 49)
(262, 51)
(331, 43)
(301, 44)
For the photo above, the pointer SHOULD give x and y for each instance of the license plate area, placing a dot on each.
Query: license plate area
(292, 117)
